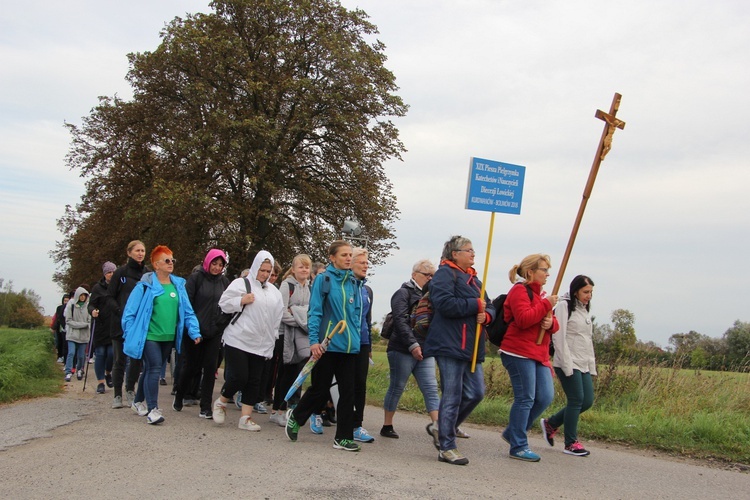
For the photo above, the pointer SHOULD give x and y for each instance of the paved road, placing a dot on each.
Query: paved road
(75, 445)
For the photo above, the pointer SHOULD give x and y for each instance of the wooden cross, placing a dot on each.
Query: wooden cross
(611, 123)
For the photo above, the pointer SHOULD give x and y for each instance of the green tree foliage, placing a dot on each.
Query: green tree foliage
(263, 125)
(19, 309)
(737, 340)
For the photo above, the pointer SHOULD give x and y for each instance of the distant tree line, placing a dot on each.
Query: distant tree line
(19, 309)
(618, 342)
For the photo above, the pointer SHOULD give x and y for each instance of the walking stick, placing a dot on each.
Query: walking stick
(605, 144)
(481, 293)
(88, 358)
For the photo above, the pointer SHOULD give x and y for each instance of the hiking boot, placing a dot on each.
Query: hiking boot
(576, 449)
(316, 424)
(260, 408)
(220, 411)
(361, 434)
(548, 432)
(292, 427)
(461, 434)
(247, 424)
(129, 398)
(346, 445)
(140, 408)
(389, 432)
(108, 380)
(207, 414)
(100, 388)
(155, 416)
(452, 457)
(177, 404)
(526, 455)
(68, 376)
(432, 430)
(117, 402)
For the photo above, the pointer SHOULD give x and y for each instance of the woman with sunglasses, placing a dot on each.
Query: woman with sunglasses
(455, 293)
(527, 312)
(157, 312)
(405, 350)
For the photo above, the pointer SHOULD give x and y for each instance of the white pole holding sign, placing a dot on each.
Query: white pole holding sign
(493, 187)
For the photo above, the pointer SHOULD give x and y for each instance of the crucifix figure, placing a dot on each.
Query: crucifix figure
(611, 123)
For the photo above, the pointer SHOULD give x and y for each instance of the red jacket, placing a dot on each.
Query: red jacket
(527, 316)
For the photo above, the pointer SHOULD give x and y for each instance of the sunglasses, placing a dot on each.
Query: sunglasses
(170, 261)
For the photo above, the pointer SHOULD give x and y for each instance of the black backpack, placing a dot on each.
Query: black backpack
(496, 330)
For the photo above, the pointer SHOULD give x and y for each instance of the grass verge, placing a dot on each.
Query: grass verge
(27, 365)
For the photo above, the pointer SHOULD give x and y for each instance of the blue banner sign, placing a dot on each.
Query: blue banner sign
(495, 186)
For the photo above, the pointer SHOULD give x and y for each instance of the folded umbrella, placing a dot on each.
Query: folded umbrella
(339, 328)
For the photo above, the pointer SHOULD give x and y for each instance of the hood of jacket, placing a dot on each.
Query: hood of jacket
(259, 259)
(211, 255)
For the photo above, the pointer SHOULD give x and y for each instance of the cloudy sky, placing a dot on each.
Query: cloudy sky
(666, 228)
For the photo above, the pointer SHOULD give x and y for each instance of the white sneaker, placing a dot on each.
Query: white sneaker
(140, 408)
(129, 398)
(220, 411)
(246, 423)
(155, 416)
(278, 418)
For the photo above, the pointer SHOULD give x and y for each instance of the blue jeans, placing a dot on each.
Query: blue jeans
(103, 360)
(462, 392)
(154, 356)
(77, 351)
(532, 394)
(401, 366)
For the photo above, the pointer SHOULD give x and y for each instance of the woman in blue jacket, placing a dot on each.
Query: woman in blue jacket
(336, 296)
(155, 315)
(458, 308)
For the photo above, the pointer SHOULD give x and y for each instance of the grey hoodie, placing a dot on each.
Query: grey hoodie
(77, 318)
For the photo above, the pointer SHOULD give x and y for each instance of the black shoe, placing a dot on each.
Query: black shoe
(324, 419)
(174, 391)
(108, 380)
(208, 414)
(100, 389)
(162, 381)
(177, 404)
(387, 431)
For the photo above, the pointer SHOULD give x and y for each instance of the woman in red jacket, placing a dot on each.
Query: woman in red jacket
(527, 311)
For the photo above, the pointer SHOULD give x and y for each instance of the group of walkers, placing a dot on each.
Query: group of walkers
(265, 332)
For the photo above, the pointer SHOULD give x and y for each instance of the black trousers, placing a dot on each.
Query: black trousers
(342, 366)
(118, 369)
(194, 359)
(360, 384)
(243, 373)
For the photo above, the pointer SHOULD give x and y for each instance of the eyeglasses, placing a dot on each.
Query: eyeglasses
(170, 261)
(429, 275)
(545, 270)
(468, 250)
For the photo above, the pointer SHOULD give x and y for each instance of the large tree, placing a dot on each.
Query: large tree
(263, 125)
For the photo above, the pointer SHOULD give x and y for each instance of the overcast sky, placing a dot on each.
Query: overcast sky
(666, 229)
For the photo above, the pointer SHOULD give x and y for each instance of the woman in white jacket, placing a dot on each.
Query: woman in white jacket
(574, 363)
(250, 337)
